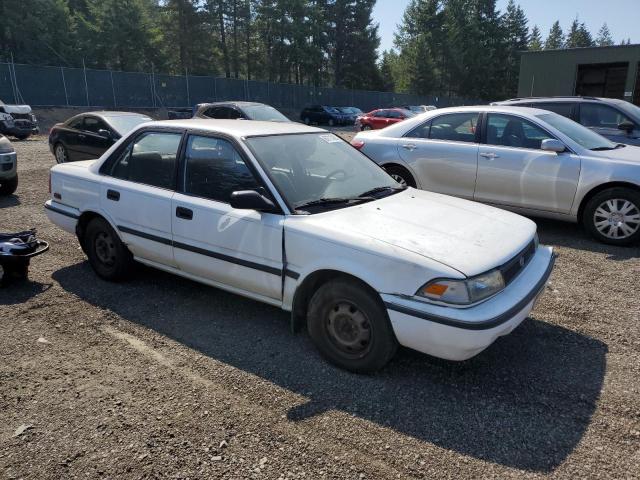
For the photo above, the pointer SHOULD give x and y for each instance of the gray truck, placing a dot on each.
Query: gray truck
(17, 121)
(8, 167)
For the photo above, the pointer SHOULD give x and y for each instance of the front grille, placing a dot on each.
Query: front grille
(513, 267)
(21, 116)
(7, 166)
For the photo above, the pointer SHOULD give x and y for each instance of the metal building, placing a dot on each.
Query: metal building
(612, 72)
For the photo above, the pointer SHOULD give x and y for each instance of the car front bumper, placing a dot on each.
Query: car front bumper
(461, 333)
(19, 128)
(8, 165)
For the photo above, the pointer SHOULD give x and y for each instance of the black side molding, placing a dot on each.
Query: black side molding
(61, 212)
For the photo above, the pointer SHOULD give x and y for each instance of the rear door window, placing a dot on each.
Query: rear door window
(455, 127)
(219, 113)
(150, 159)
(564, 109)
(420, 132)
(93, 125)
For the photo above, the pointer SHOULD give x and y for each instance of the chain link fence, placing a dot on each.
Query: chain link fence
(42, 86)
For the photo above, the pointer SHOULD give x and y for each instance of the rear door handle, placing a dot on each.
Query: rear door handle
(409, 146)
(113, 195)
(184, 213)
(490, 156)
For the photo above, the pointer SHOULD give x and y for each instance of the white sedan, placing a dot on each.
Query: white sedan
(294, 217)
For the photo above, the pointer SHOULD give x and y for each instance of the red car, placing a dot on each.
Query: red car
(381, 118)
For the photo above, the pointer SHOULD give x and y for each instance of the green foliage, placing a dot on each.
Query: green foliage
(578, 36)
(604, 38)
(535, 39)
(555, 40)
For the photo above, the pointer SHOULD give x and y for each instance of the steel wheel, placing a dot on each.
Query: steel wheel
(366, 127)
(398, 178)
(105, 248)
(60, 153)
(349, 329)
(617, 218)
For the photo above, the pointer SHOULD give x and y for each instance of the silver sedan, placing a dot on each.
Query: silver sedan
(527, 160)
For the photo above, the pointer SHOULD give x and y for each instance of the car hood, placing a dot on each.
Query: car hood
(22, 109)
(627, 154)
(467, 236)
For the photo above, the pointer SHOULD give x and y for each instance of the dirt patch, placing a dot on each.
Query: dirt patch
(163, 377)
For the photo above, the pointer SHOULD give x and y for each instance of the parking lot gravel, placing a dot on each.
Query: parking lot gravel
(161, 377)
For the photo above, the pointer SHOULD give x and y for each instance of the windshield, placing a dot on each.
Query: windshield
(125, 123)
(576, 132)
(265, 113)
(331, 109)
(408, 113)
(315, 166)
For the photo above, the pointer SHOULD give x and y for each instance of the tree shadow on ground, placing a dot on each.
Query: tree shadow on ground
(525, 402)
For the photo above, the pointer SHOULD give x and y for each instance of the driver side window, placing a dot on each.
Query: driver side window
(214, 169)
(510, 131)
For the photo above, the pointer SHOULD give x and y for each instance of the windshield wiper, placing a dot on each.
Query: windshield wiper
(373, 191)
(334, 201)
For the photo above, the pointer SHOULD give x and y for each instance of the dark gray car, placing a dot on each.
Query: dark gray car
(239, 111)
(617, 120)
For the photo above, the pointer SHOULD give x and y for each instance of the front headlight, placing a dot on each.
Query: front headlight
(463, 292)
(6, 117)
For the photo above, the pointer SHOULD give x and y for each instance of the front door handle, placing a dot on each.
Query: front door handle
(490, 156)
(409, 146)
(113, 195)
(184, 213)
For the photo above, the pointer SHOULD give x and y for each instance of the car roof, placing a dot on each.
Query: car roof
(557, 99)
(110, 114)
(238, 103)
(238, 128)
(486, 108)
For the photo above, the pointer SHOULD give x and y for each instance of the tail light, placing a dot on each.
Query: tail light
(357, 144)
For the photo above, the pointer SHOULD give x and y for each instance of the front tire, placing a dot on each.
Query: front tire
(366, 128)
(60, 153)
(349, 326)
(613, 216)
(401, 175)
(8, 186)
(108, 256)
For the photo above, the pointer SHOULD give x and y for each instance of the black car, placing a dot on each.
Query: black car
(239, 111)
(323, 114)
(89, 135)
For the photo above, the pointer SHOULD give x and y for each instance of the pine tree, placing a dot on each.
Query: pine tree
(516, 34)
(604, 38)
(535, 39)
(555, 40)
(579, 36)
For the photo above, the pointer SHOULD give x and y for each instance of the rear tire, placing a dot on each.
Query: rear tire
(60, 152)
(8, 186)
(613, 216)
(401, 175)
(349, 326)
(108, 256)
(22, 137)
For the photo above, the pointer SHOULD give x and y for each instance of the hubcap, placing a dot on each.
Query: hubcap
(105, 249)
(349, 328)
(617, 218)
(60, 154)
(400, 179)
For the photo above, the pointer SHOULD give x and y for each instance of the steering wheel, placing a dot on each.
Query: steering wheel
(336, 172)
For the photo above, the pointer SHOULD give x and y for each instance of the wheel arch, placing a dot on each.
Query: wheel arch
(404, 166)
(86, 217)
(310, 284)
(601, 188)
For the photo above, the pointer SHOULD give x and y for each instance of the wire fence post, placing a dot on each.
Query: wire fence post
(64, 85)
(186, 79)
(215, 89)
(113, 90)
(86, 85)
(152, 86)
(13, 80)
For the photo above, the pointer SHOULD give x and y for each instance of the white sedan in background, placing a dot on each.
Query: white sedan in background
(527, 160)
(294, 217)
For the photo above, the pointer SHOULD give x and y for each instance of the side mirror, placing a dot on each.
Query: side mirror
(626, 126)
(251, 200)
(553, 145)
(104, 134)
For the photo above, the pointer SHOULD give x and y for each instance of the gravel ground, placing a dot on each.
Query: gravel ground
(163, 377)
